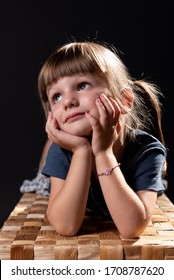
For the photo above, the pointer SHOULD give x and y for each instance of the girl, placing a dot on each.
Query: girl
(101, 161)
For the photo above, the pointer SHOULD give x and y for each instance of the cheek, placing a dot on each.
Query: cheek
(57, 116)
(94, 111)
(90, 104)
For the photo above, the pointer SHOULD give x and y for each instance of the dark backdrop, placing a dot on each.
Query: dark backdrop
(31, 30)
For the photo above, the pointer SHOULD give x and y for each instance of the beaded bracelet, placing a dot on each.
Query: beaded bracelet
(108, 171)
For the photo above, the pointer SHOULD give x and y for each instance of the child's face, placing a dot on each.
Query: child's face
(70, 97)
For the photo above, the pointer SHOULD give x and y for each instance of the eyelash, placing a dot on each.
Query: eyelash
(83, 84)
(80, 86)
(53, 99)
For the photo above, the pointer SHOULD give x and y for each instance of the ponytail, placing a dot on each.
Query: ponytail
(150, 95)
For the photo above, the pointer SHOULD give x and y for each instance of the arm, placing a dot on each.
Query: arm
(68, 198)
(130, 211)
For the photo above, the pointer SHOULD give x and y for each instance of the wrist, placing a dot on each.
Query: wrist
(105, 161)
(104, 155)
(83, 150)
(108, 171)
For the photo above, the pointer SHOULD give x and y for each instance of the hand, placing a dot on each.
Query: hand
(106, 129)
(63, 139)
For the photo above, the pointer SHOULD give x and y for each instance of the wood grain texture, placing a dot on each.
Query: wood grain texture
(28, 235)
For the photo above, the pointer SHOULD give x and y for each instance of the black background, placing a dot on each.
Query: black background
(30, 30)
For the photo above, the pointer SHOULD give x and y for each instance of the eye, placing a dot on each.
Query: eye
(83, 86)
(56, 98)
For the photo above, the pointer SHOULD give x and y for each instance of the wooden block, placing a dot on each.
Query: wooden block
(88, 249)
(66, 249)
(132, 252)
(153, 252)
(169, 253)
(111, 249)
(22, 252)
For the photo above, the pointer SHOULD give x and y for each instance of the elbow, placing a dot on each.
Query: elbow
(61, 227)
(130, 235)
(135, 227)
(133, 231)
(66, 230)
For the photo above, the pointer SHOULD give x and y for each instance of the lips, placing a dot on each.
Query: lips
(74, 116)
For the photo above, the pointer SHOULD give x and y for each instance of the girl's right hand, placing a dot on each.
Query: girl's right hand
(64, 139)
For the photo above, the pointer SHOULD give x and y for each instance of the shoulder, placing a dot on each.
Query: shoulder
(143, 161)
(143, 147)
(55, 150)
(57, 162)
(143, 142)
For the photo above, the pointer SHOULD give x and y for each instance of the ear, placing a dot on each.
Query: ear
(127, 100)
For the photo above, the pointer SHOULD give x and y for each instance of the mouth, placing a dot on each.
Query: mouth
(74, 116)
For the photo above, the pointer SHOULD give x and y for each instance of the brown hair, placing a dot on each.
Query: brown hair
(103, 60)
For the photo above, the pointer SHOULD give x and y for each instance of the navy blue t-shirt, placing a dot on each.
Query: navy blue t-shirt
(141, 164)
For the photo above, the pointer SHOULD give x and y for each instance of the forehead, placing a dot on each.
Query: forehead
(62, 82)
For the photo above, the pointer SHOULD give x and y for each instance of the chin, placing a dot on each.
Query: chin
(79, 129)
(81, 132)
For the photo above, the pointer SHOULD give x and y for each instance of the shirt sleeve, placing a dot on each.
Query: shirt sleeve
(57, 162)
(148, 173)
(143, 164)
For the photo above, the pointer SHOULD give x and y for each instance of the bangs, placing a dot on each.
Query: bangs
(67, 61)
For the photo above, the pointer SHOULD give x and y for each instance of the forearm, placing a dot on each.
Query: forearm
(66, 211)
(125, 207)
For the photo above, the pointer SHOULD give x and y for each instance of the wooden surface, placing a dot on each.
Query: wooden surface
(27, 234)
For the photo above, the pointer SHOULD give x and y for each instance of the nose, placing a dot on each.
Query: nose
(70, 100)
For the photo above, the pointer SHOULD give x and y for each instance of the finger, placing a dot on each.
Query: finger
(118, 127)
(48, 122)
(103, 112)
(52, 122)
(116, 109)
(51, 128)
(107, 104)
(95, 124)
(51, 138)
(48, 126)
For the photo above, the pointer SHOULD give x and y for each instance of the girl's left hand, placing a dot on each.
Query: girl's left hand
(106, 129)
